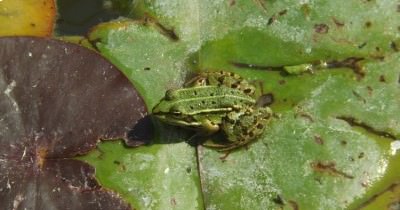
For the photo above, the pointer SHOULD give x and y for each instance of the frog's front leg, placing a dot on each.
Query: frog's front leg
(209, 127)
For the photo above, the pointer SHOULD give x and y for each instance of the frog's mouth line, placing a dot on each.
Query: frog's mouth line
(180, 120)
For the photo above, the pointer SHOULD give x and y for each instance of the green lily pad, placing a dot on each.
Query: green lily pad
(331, 146)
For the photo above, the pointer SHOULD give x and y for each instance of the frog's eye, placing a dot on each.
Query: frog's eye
(175, 109)
(169, 95)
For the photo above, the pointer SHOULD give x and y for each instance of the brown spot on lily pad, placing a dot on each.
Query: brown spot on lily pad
(337, 22)
(321, 28)
(329, 168)
(56, 101)
(318, 139)
(265, 100)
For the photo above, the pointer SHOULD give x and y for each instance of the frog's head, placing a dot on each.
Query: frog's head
(168, 112)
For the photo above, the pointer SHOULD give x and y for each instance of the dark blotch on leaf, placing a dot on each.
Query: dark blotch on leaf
(352, 63)
(321, 28)
(355, 122)
(168, 32)
(271, 19)
(337, 22)
(318, 139)
(278, 200)
(329, 168)
(56, 101)
(265, 100)
(362, 45)
(283, 12)
(294, 205)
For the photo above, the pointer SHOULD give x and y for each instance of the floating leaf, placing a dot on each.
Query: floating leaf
(23, 18)
(57, 101)
(331, 146)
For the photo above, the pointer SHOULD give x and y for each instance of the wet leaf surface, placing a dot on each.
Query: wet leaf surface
(331, 147)
(57, 101)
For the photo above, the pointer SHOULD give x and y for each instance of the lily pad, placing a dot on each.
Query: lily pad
(23, 18)
(331, 147)
(57, 101)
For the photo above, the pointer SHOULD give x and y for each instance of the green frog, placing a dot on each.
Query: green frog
(215, 102)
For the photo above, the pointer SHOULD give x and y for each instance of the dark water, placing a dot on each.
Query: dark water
(76, 17)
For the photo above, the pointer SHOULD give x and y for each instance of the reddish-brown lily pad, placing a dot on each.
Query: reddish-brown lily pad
(56, 101)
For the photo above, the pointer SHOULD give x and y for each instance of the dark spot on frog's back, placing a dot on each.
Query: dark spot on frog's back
(247, 90)
(368, 24)
(382, 78)
(321, 28)
(394, 46)
(343, 142)
(265, 100)
(260, 126)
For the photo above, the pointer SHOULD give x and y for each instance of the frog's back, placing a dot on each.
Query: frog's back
(207, 99)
